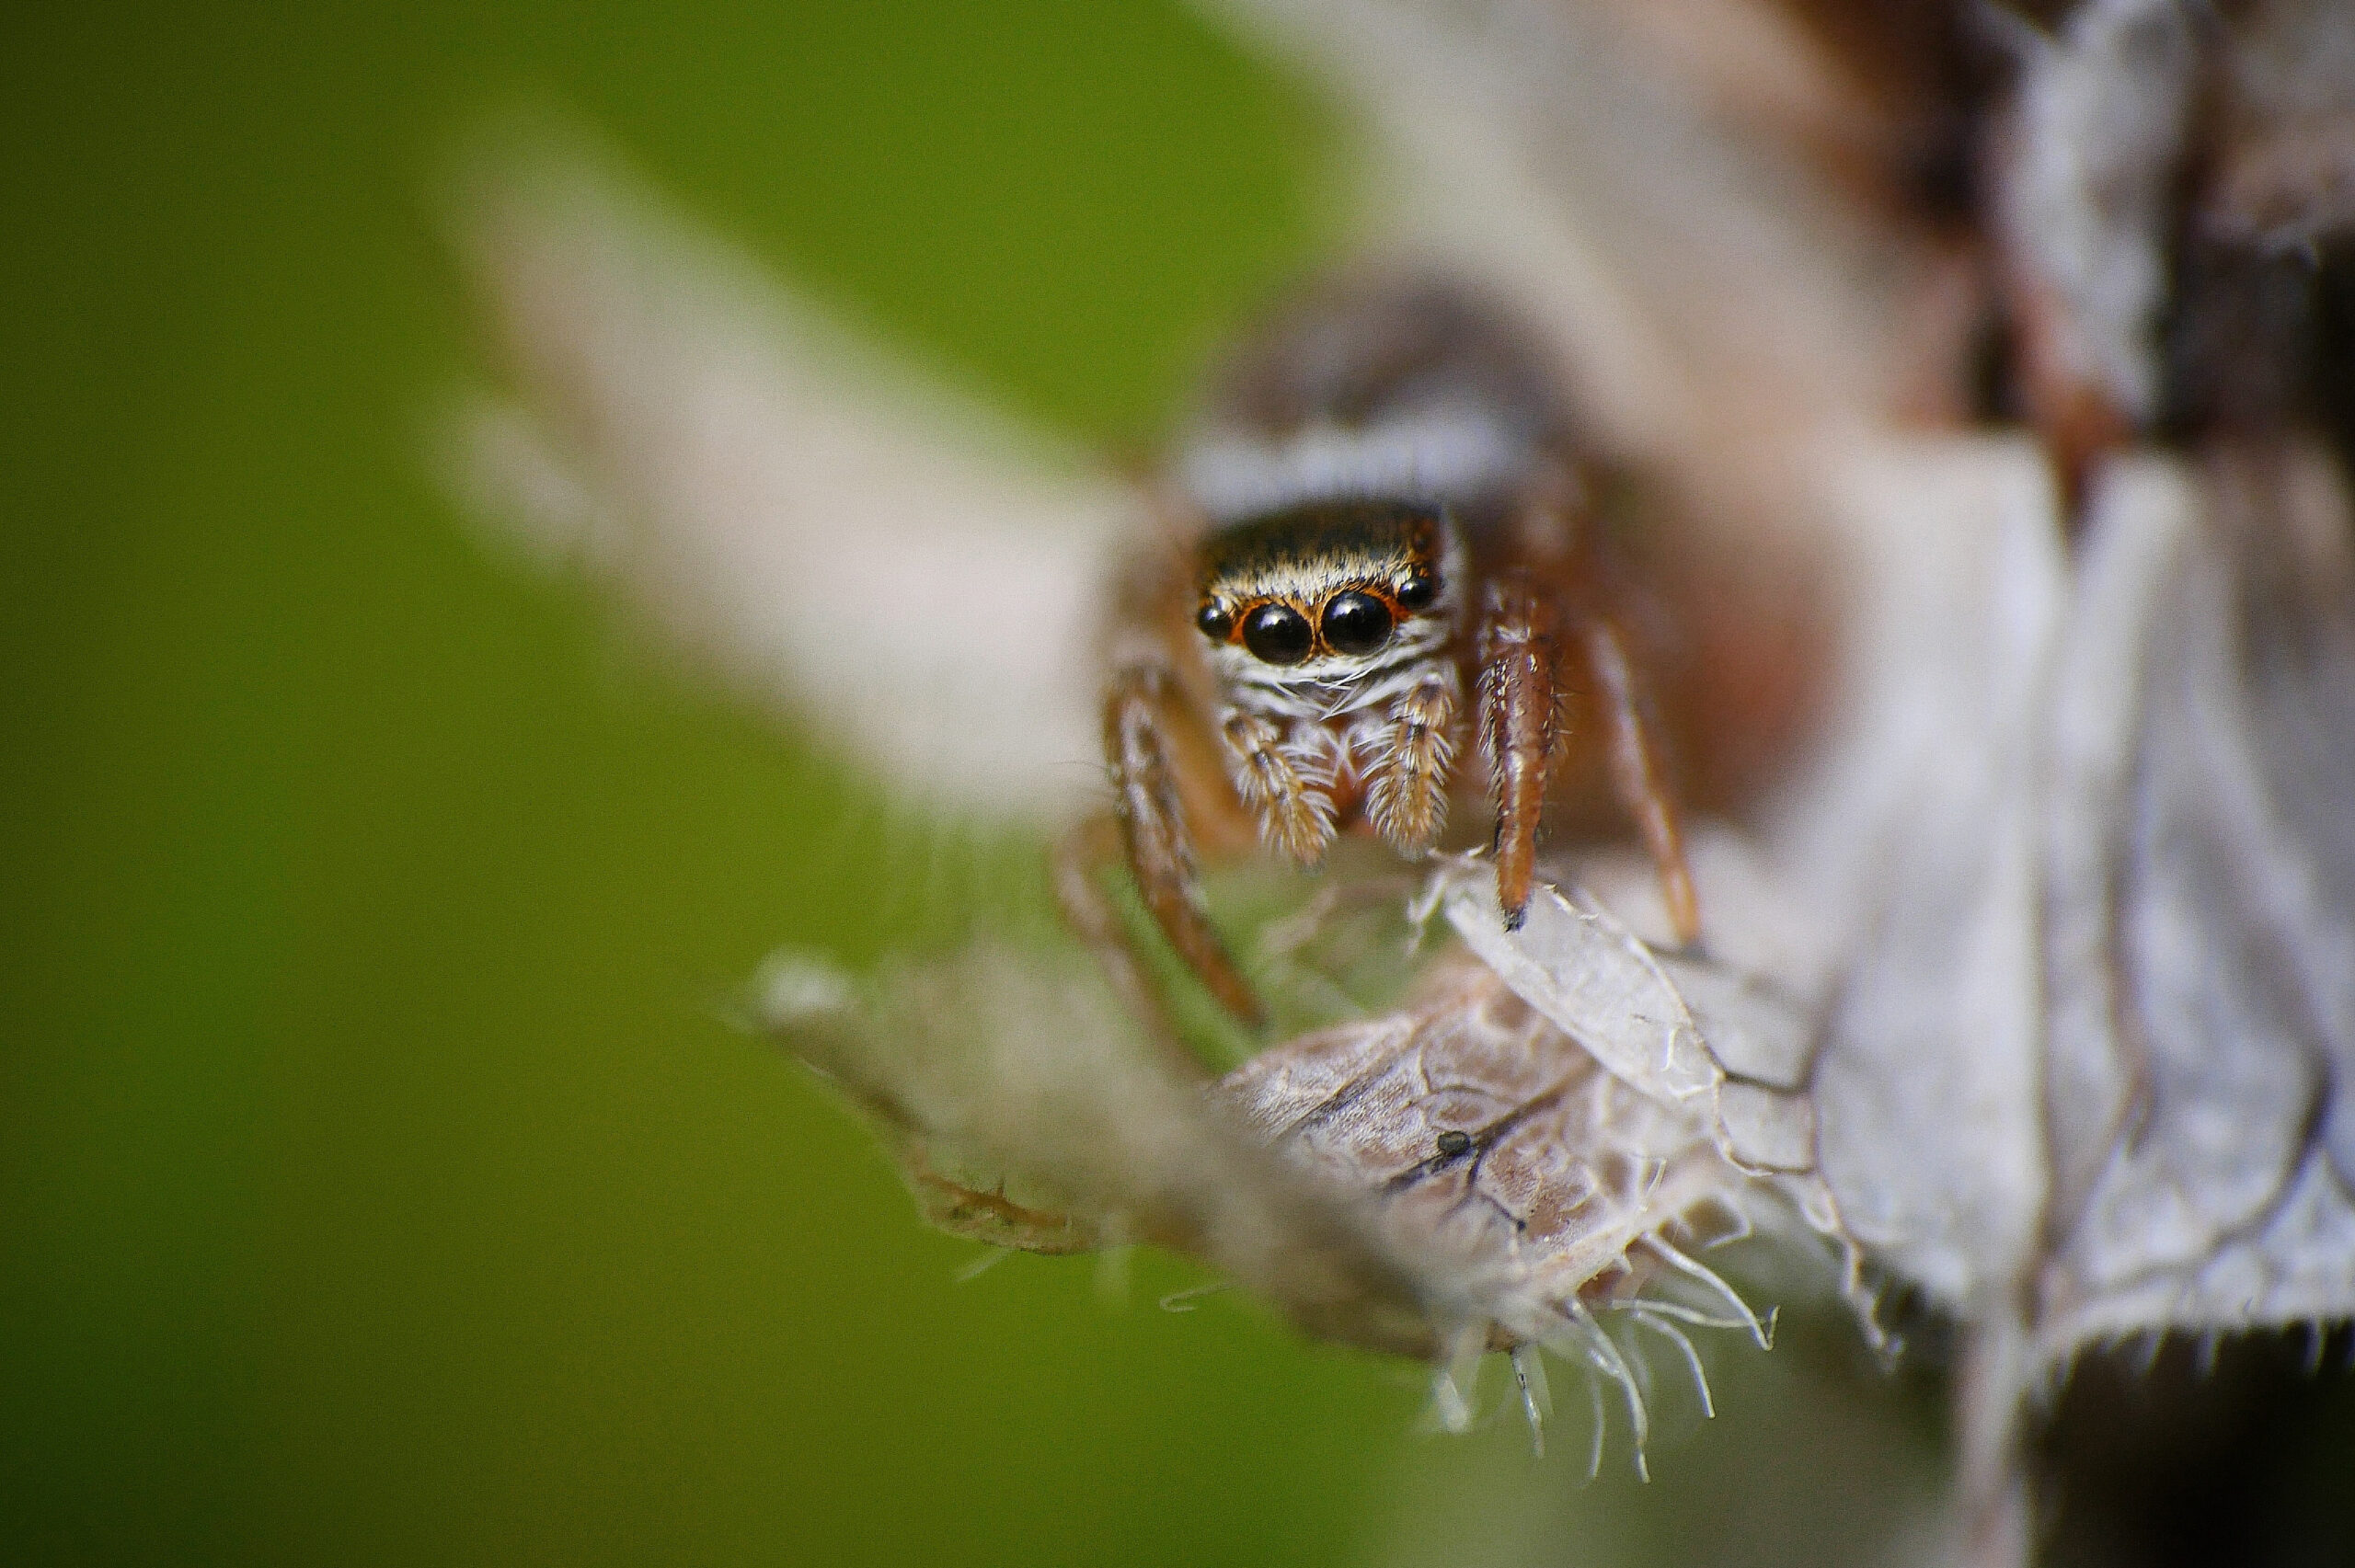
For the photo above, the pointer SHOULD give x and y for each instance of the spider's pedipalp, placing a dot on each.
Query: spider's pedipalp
(1407, 800)
(1519, 698)
(1293, 808)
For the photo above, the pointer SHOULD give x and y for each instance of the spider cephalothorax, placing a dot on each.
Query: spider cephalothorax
(1385, 563)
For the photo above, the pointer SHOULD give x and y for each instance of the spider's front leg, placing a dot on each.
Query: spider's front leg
(1519, 701)
(1156, 844)
(1519, 654)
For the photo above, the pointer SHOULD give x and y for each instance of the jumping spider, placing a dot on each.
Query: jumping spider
(1386, 556)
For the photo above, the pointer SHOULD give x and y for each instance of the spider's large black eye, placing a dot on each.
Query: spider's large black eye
(1214, 620)
(1356, 622)
(1277, 633)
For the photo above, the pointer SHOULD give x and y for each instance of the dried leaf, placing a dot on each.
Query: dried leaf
(1643, 1019)
(1026, 1112)
(2201, 899)
(1474, 1113)
(1457, 1175)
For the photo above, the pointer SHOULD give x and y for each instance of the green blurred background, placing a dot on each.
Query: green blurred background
(377, 1182)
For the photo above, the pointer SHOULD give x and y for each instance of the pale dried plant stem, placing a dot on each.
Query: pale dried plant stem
(1993, 1514)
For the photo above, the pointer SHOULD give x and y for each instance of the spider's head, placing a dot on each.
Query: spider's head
(1326, 589)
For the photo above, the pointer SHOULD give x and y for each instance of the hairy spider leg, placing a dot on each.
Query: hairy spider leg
(1079, 861)
(1519, 699)
(1294, 811)
(1638, 771)
(1159, 851)
(1406, 801)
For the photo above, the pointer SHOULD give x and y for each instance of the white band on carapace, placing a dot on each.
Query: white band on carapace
(1434, 454)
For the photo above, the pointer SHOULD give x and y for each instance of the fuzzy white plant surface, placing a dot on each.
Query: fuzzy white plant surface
(2034, 987)
(1536, 1149)
(754, 475)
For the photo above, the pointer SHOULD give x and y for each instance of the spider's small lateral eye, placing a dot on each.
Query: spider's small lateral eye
(1277, 633)
(1356, 622)
(1454, 1141)
(1214, 622)
(1417, 591)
